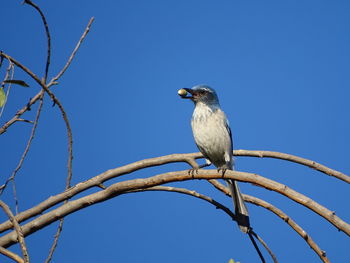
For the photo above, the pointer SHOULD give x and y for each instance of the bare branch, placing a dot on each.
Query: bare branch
(296, 159)
(11, 255)
(24, 68)
(55, 241)
(20, 112)
(191, 193)
(24, 120)
(290, 222)
(125, 186)
(279, 213)
(98, 180)
(252, 240)
(18, 231)
(87, 29)
(48, 37)
(213, 202)
(265, 246)
(12, 177)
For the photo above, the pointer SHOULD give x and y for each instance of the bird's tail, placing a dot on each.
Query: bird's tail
(241, 210)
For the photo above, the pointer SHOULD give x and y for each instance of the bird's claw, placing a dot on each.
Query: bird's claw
(223, 171)
(193, 171)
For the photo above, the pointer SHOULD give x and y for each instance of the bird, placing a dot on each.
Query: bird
(213, 137)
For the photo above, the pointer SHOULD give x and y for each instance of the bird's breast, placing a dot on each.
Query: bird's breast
(211, 135)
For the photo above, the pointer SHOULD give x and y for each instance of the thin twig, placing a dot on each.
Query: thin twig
(55, 241)
(279, 213)
(41, 83)
(191, 193)
(69, 177)
(24, 68)
(87, 29)
(265, 246)
(24, 120)
(56, 101)
(205, 198)
(11, 255)
(68, 180)
(32, 134)
(20, 112)
(48, 37)
(255, 245)
(64, 115)
(313, 245)
(18, 230)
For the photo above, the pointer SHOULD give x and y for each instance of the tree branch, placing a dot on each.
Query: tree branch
(290, 222)
(211, 201)
(190, 193)
(95, 182)
(48, 37)
(11, 255)
(12, 177)
(18, 231)
(259, 202)
(125, 186)
(296, 159)
(274, 258)
(20, 112)
(87, 29)
(100, 179)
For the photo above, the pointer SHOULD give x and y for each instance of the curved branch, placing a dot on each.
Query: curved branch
(48, 37)
(211, 201)
(264, 245)
(190, 193)
(20, 112)
(24, 68)
(11, 255)
(96, 182)
(32, 134)
(290, 222)
(100, 179)
(87, 29)
(296, 159)
(125, 186)
(18, 231)
(259, 202)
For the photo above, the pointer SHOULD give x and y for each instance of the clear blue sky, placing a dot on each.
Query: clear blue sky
(281, 69)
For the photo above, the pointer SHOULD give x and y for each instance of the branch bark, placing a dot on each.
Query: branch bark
(11, 255)
(211, 201)
(112, 173)
(259, 202)
(296, 159)
(125, 186)
(18, 231)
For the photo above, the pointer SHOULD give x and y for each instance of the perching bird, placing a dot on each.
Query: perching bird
(212, 135)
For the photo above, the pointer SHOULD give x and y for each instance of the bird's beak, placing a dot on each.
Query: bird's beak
(184, 92)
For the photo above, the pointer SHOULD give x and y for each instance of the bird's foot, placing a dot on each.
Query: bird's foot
(223, 171)
(193, 171)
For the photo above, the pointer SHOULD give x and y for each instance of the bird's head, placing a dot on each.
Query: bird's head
(200, 93)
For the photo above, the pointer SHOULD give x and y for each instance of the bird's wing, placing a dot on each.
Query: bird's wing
(231, 144)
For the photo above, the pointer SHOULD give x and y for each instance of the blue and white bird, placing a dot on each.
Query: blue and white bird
(212, 135)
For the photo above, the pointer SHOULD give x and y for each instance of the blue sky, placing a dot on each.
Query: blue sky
(281, 70)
